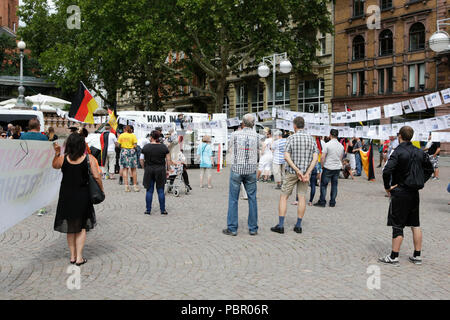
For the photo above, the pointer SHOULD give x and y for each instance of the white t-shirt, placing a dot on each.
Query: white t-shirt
(334, 152)
(143, 142)
(112, 139)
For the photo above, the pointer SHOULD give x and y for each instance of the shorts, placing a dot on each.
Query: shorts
(205, 171)
(403, 208)
(290, 181)
(128, 158)
(434, 161)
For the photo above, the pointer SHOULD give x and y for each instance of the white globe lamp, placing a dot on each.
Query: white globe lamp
(21, 45)
(285, 66)
(439, 41)
(263, 70)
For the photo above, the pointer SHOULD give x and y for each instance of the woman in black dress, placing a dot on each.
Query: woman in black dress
(75, 212)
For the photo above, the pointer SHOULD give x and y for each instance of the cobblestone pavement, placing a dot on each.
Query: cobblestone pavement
(185, 255)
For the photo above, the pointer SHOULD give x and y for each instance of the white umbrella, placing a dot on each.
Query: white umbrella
(9, 101)
(41, 99)
(7, 106)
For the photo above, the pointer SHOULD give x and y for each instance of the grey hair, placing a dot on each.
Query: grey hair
(248, 120)
(278, 133)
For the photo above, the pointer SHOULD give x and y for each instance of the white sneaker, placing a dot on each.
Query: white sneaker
(415, 260)
(388, 260)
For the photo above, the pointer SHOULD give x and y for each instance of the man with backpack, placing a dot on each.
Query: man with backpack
(404, 175)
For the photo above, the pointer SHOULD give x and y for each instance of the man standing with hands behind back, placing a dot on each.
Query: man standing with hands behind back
(301, 154)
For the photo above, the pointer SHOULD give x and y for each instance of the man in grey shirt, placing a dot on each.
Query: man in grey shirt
(332, 155)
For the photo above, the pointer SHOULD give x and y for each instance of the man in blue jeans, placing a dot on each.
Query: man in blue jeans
(244, 145)
(332, 155)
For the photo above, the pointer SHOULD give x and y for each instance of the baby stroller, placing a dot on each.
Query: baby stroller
(175, 183)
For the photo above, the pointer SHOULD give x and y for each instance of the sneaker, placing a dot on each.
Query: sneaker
(277, 229)
(136, 189)
(278, 187)
(164, 212)
(228, 232)
(298, 229)
(389, 260)
(415, 260)
(253, 233)
(127, 189)
(147, 212)
(318, 204)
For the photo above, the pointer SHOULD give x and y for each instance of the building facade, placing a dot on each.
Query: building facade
(392, 63)
(8, 14)
(248, 93)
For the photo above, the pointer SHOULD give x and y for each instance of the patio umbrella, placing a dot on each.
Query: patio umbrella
(41, 99)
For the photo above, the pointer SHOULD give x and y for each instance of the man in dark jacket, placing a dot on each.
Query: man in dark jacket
(404, 200)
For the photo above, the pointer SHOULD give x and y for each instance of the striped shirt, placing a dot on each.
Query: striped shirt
(301, 147)
(278, 147)
(245, 147)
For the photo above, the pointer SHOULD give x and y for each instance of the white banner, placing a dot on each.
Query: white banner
(27, 180)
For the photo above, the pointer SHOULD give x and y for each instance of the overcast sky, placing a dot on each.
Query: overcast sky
(50, 2)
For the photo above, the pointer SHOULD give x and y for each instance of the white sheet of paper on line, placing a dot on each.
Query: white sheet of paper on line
(418, 104)
(433, 100)
(333, 117)
(396, 128)
(406, 105)
(265, 114)
(374, 113)
(428, 125)
(446, 95)
(274, 113)
(361, 115)
(441, 123)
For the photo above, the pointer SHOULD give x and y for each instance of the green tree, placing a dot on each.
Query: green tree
(10, 59)
(218, 36)
(120, 45)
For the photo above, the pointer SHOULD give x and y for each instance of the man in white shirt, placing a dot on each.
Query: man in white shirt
(332, 155)
(108, 142)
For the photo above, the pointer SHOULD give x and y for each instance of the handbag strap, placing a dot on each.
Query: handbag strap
(89, 165)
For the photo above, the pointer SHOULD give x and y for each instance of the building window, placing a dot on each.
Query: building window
(386, 43)
(282, 95)
(358, 8)
(241, 100)
(323, 44)
(417, 37)
(386, 4)
(417, 77)
(226, 106)
(358, 83)
(311, 95)
(385, 81)
(358, 48)
(257, 97)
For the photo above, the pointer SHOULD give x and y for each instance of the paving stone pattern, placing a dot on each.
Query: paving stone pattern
(185, 255)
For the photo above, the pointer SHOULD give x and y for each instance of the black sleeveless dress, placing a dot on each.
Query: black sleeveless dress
(75, 210)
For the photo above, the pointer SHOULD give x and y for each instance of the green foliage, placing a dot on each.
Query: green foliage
(10, 59)
(124, 43)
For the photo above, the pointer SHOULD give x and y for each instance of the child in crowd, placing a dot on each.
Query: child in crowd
(346, 170)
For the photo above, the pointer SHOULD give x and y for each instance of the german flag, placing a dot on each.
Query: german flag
(112, 120)
(83, 105)
(367, 162)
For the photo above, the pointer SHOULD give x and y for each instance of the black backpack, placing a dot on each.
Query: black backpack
(415, 178)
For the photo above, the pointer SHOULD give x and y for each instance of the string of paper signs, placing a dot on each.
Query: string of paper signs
(318, 124)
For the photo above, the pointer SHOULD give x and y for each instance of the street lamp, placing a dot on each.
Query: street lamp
(440, 40)
(264, 71)
(147, 84)
(21, 99)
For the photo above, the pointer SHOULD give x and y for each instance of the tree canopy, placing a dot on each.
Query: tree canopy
(123, 43)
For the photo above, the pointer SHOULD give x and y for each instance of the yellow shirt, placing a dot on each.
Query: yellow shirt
(127, 140)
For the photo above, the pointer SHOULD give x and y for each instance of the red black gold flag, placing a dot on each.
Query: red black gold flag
(367, 162)
(112, 120)
(83, 105)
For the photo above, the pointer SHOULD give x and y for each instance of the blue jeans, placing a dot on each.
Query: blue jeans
(249, 182)
(312, 184)
(161, 197)
(327, 176)
(358, 163)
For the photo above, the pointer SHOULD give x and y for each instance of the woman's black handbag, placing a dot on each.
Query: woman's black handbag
(97, 195)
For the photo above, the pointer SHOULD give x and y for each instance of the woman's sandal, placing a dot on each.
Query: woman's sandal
(84, 261)
(73, 262)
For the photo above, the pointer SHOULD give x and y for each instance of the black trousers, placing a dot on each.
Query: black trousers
(184, 175)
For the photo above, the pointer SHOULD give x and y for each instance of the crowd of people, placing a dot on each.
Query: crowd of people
(295, 161)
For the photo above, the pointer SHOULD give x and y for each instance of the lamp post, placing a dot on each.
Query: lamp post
(21, 99)
(440, 40)
(264, 70)
(147, 84)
